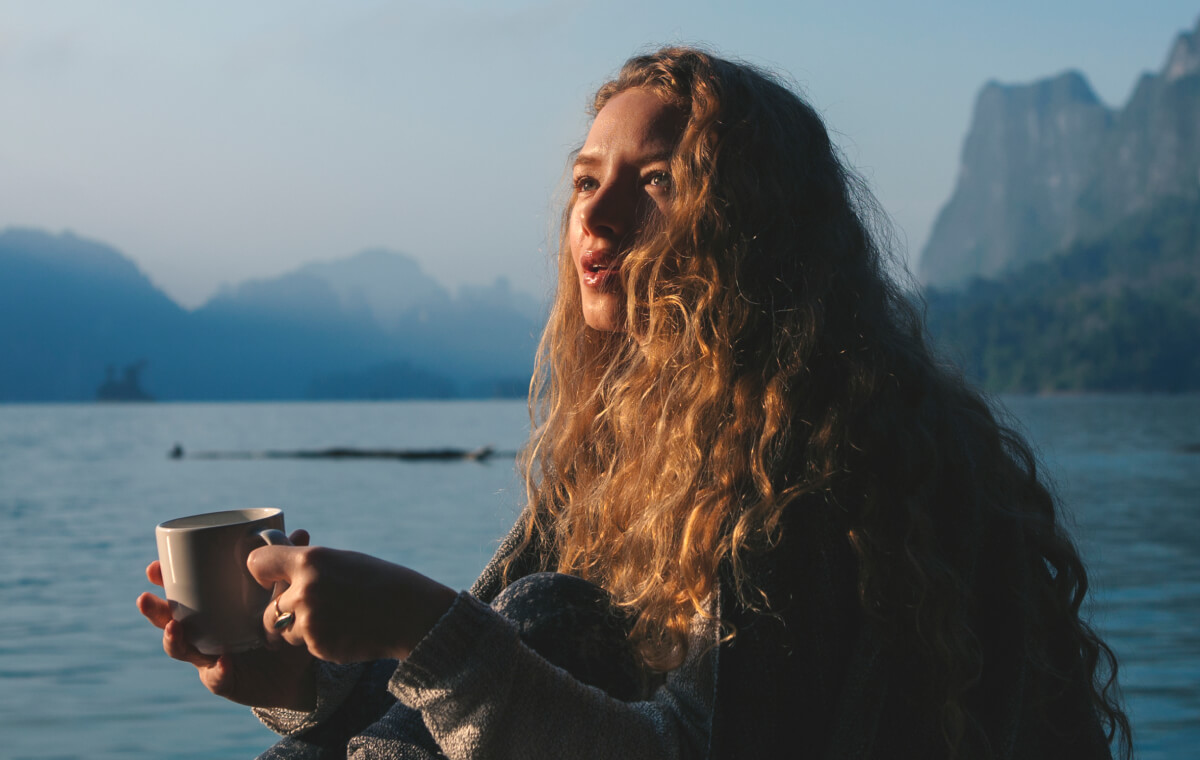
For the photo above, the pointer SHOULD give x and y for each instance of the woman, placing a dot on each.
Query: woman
(816, 540)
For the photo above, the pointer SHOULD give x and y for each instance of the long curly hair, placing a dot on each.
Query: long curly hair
(769, 355)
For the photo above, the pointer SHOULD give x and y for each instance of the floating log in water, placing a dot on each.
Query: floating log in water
(474, 455)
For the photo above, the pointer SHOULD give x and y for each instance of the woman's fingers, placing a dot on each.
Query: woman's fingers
(345, 606)
(280, 564)
(285, 626)
(154, 573)
(273, 568)
(269, 564)
(220, 678)
(177, 647)
(156, 609)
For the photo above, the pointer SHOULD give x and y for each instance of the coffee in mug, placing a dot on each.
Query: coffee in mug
(211, 593)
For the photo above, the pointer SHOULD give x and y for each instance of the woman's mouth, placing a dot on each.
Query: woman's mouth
(597, 269)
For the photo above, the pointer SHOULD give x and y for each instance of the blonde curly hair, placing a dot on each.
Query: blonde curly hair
(768, 355)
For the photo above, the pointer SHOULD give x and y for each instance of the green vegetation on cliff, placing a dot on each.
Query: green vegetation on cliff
(1118, 313)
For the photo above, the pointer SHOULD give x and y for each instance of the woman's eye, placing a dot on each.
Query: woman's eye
(584, 184)
(659, 179)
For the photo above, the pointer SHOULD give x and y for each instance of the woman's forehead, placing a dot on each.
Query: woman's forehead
(634, 120)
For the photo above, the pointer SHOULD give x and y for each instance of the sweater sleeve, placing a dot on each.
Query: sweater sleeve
(484, 694)
(349, 698)
(361, 688)
(334, 683)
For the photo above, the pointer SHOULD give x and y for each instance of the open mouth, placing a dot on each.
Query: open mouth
(597, 268)
(597, 260)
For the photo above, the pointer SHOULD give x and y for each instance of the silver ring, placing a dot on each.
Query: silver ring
(283, 619)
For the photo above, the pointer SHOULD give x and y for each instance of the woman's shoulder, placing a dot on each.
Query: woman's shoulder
(514, 558)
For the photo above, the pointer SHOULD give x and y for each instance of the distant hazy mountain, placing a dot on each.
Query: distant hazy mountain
(1068, 258)
(69, 307)
(368, 326)
(1152, 151)
(377, 286)
(1029, 154)
(1046, 165)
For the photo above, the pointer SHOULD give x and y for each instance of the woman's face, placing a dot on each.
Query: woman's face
(621, 178)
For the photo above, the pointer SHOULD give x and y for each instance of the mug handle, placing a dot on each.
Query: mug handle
(276, 537)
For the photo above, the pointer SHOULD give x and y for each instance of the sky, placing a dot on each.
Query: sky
(219, 141)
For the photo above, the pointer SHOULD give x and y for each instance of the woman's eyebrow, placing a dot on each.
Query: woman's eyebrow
(658, 156)
(587, 160)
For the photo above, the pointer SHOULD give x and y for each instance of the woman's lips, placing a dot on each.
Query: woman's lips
(597, 269)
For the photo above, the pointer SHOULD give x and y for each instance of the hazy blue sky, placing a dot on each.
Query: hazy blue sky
(217, 141)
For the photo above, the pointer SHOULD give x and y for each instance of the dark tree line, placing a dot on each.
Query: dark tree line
(1118, 313)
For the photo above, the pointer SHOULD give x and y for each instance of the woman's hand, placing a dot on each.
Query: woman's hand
(277, 677)
(348, 607)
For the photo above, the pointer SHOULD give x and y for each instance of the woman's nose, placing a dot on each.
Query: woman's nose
(609, 213)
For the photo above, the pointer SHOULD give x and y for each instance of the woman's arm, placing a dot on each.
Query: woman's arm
(484, 694)
(480, 690)
(344, 691)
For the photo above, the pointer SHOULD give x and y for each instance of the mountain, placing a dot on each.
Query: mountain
(69, 308)
(1026, 160)
(1152, 150)
(1046, 165)
(1068, 257)
(377, 286)
(372, 325)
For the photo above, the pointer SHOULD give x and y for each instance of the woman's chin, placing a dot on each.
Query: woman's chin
(604, 311)
(604, 320)
(604, 323)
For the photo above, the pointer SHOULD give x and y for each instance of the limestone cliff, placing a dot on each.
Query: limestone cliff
(1047, 164)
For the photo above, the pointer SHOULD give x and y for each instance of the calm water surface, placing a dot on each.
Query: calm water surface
(82, 675)
(1128, 469)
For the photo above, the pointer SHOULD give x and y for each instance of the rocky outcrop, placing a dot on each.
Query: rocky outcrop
(1027, 157)
(1153, 149)
(1047, 164)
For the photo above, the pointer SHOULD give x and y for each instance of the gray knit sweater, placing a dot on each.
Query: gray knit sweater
(812, 678)
(482, 693)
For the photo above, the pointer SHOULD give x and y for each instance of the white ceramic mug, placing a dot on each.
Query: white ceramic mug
(211, 592)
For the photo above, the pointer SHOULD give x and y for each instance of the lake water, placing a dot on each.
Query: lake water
(82, 675)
